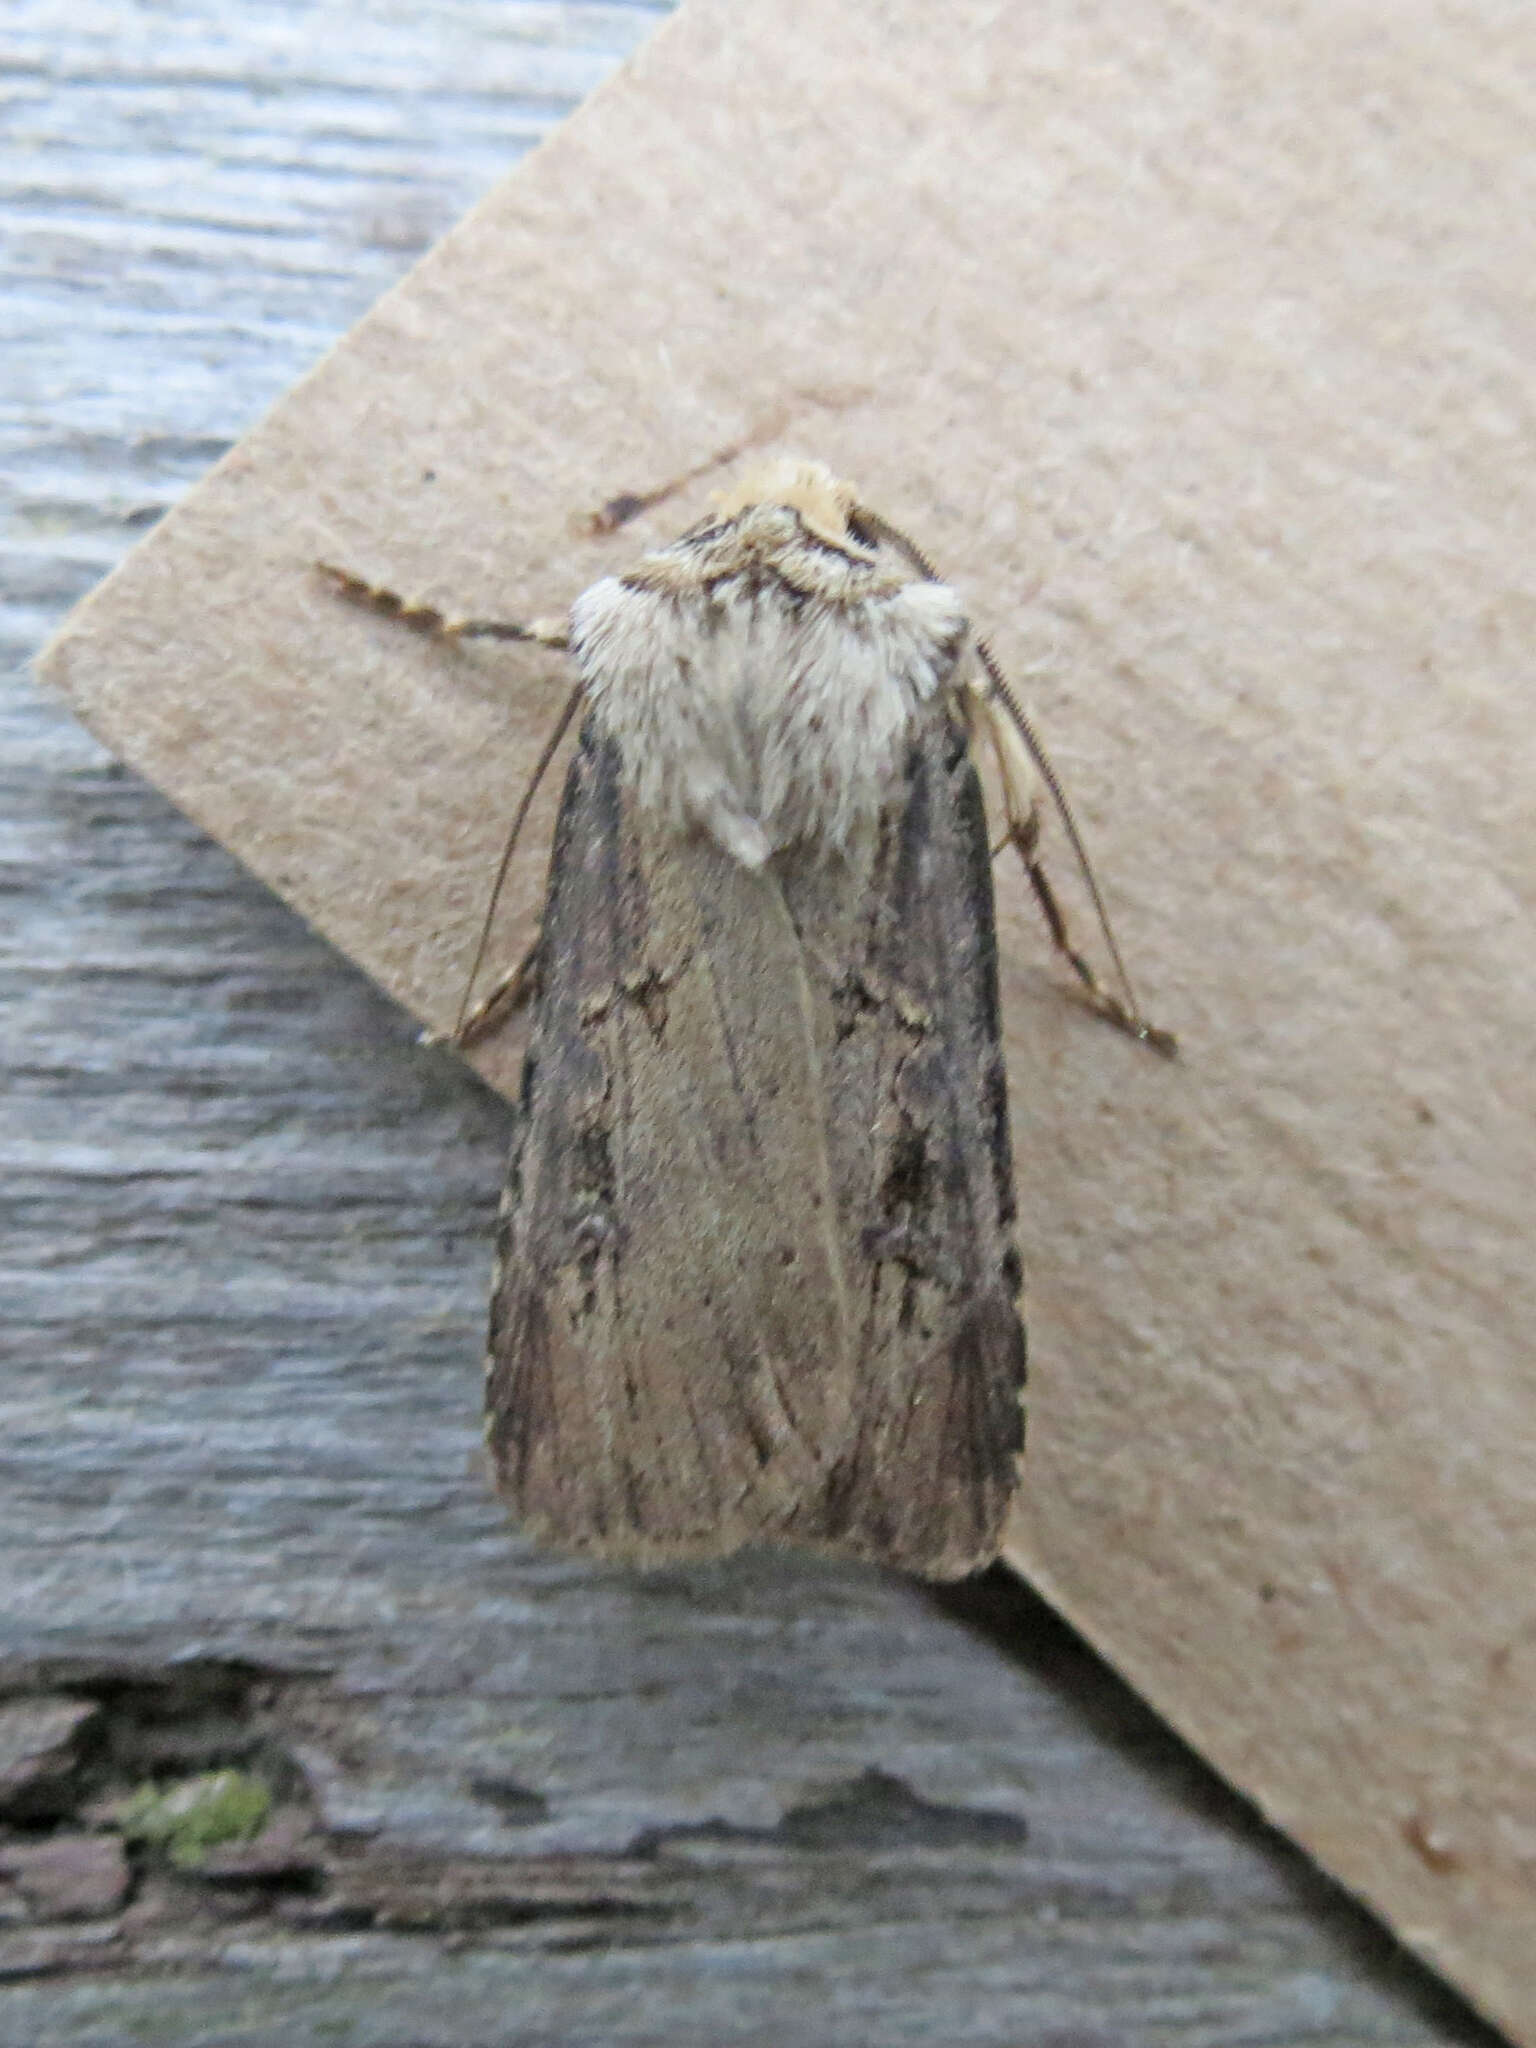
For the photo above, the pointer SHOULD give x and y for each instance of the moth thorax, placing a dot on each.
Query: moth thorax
(760, 713)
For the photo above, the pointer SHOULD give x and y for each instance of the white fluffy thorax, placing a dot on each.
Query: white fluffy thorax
(761, 679)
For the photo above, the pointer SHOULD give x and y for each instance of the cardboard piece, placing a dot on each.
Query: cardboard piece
(1193, 351)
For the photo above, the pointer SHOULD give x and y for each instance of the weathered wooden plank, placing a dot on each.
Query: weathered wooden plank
(244, 1265)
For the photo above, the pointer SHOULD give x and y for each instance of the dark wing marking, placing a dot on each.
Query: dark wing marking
(671, 1354)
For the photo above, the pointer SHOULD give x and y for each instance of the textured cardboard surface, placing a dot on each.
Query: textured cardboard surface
(1198, 355)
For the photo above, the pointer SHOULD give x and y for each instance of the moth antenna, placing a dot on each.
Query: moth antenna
(1127, 1014)
(426, 618)
(870, 525)
(541, 766)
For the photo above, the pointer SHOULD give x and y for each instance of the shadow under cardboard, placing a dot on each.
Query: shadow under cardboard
(1001, 1610)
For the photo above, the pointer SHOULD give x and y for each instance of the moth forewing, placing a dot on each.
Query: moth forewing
(671, 1222)
(756, 1278)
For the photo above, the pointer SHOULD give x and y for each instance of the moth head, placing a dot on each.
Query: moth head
(825, 503)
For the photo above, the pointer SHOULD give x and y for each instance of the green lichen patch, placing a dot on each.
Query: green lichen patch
(188, 1819)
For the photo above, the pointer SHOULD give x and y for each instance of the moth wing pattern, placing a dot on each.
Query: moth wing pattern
(917, 1116)
(670, 1361)
(766, 1294)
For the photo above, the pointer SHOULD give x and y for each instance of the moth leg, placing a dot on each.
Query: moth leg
(512, 993)
(1022, 811)
(518, 988)
(425, 618)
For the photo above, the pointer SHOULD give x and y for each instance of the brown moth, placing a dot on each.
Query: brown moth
(756, 1278)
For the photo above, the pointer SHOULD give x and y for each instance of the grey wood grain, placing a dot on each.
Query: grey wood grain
(244, 1265)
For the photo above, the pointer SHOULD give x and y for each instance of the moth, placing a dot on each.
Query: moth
(756, 1278)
